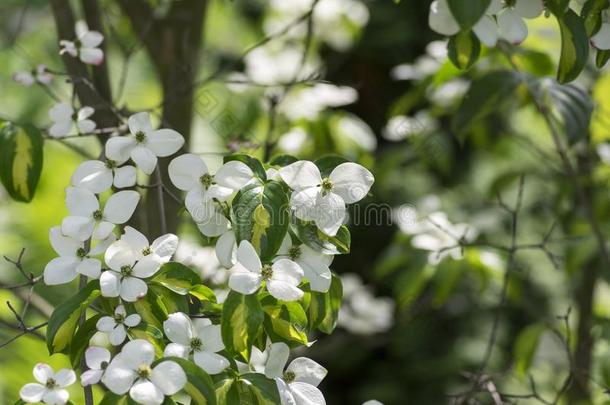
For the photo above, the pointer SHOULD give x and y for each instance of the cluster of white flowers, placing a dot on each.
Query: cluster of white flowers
(435, 233)
(38, 75)
(503, 19)
(86, 45)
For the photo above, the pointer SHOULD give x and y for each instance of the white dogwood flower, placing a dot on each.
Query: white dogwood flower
(126, 271)
(73, 258)
(97, 176)
(157, 253)
(64, 119)
(51, 386)
(131, 371)
(189, 173)
(315, 265)
(86, 45)
(298, 383)
(88, 220)
(116, 326)
(197, 338)
(323, 200)
(282, 277)
(38, 75)
(510, 17)
(144, 144)
(97, 359)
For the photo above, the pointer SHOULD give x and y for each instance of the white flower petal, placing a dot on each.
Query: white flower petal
(120, 374)
(487, 31)
(85, 113)
(244, 281)
(601, 40)
(103, 230)
(146, 393)
(138, 352)
(164, 142)
(90, 268)
(287, 271)
(306, 394)
(165, 246)
(120, 206)
(119, 148)
(511, 26)
(117, 335)
(60, 270)
(307, 371)
(212, 363)
(144, 158)
(169, 377)
(91, 56)
(91, 377)
(119, 254)
(315, 268)
(218, 193)
(177, 350)
(133, 289)
(226, 249)
(32, 392)
(110, 284)
(186, 170)
(234, 175)
(135, 239)
(330, 213)
(286, 396)
(61, 112)
(178, 328)
(278, 356)
(214, 226)
(91, 39)
(60, 129)
(133, 320)
(55, 397)
(247, 256)
(42, 372)
(95, 356)
(301, 174)
(529, 8)
(441, 20)
(101, 245)
(86, 126)
(92, 175)
(304, 203)
(65, 377)
(351, 181)
(81, 202)
(210, 335)
(125, 176)
(284, 291)
(147, 266)
(139, 122)
(77, 227)
(63, 245)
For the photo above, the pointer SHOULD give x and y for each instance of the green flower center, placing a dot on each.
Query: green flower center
(51, 383)
(146, 251)
(267, 272)
(207, 180)
(289, 376)
(111, 164)
(126, 271)
(327, 185)
(140, 137)
(103, 365)
(97, 215)
(510, 3)
(144, 371)
(196, 344)
(294, 252)
(81, 253)
(119, 318)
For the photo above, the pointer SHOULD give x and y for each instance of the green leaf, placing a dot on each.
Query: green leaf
(601, 58)
(283, 160)
(252, 163)
(486, 94)
(525, 347)
(324, 307)
(468, 12)
(64, 318)
(199, 386)
(114, 399)
(177, 277)
(557, 7)
(309, 234)
(241, 323)
(227, 392)
(464, 49)
(327, 164)
(264, 390)
(203, 293)
(574, 46)
(592, 14)
(260, 215)
(570, 107)
(151, 308)
(149, 333)
(80, 342)
(285, 321)
(20, 159)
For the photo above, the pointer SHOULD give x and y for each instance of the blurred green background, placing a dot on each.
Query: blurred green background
(409, 336)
